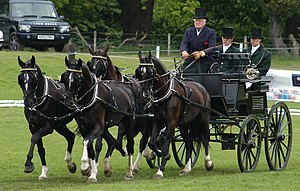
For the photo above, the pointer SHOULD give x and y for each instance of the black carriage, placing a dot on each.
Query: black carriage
(240, 118)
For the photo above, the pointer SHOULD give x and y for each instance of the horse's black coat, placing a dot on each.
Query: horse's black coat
(44, 109)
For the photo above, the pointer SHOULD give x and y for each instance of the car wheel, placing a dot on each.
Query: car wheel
(14, 45)
(59, 48)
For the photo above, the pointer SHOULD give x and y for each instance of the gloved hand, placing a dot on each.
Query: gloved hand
(198, 54)
(185, 54)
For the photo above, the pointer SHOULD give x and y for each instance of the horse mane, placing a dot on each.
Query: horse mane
(160, 67)
(39, 70)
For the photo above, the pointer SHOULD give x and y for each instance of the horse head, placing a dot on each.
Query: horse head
(99, 63)
(72, 79)
(28, 80)
(146, 74)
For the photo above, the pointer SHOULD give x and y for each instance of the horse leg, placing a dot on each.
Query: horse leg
(69, 136)
(119, 145)
(153, 139)
(130, 149)
(165, 151)
(205, 135)
(111, 143)
(184, 131)
(93, 165)
(85, 166)
(36, 136)
(41, 151)
(143, 149)
(99, 146)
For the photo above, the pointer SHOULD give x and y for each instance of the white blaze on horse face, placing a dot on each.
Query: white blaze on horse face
(26, 81)
(70, 80)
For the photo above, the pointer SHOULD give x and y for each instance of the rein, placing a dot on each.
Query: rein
(44, 98)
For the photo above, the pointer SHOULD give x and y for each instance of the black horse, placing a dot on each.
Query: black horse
(101, 104)
(102, 66)
(45, 112)
(178, 107)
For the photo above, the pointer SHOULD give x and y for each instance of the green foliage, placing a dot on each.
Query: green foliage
(173, 16)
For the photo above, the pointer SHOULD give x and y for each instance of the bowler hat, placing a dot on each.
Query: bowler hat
(256, 33)
(200, 14)
(227, 32)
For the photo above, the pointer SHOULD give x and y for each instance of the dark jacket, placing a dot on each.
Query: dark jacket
(261, 58)
(191, 43)
(229, 66)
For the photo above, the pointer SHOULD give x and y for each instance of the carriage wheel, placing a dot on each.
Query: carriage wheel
(179, 150)
(249, 144)
(278, 136)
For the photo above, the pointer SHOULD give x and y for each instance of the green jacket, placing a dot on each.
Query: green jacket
(261, 58)
(228, 66)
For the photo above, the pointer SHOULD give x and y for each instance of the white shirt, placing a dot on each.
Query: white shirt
(254, 49)
(198, 31)
(225, 47)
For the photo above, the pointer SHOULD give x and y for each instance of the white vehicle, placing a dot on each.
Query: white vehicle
(1, 39)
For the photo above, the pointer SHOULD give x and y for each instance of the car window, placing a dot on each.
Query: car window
(33, 10)
(4, 9)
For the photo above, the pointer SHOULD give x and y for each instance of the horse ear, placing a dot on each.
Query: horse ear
(32, 60)
(67, 62)
(62, 78)
(21, 63)
(89, 64)
(79, 62)
(91, 51)
(149, 56)
(140, 56)
(105, 51)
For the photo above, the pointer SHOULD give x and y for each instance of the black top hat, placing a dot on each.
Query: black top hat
(227, 32)
(200, 14)
(256, 33)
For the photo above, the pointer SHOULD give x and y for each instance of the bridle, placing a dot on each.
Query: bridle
(105, 65)
(42, 99)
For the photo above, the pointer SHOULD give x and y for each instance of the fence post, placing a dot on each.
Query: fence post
(157, 51)
(95, 40)
(169, 43)
(245, 42)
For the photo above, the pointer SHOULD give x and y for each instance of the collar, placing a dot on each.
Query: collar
(225, 47)
(253, 49)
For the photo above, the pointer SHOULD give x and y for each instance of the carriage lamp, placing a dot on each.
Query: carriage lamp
(25, 28)
(63, 29)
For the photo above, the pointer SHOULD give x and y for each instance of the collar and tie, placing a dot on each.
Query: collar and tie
(198, 31)
(225, 47)
(253, 49)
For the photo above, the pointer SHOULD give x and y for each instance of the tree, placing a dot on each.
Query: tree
(135, 16)
(279, 11)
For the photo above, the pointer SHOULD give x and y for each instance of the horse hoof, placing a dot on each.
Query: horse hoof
(92, 180)
(158, 176)
(86, 172)
(168, 156)
(108, 173)
(72, 169)
(136, 170)
(128, 177)
(41, 178)
(209, 166)
(29, 169)
(151, 156)
(183, 173)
